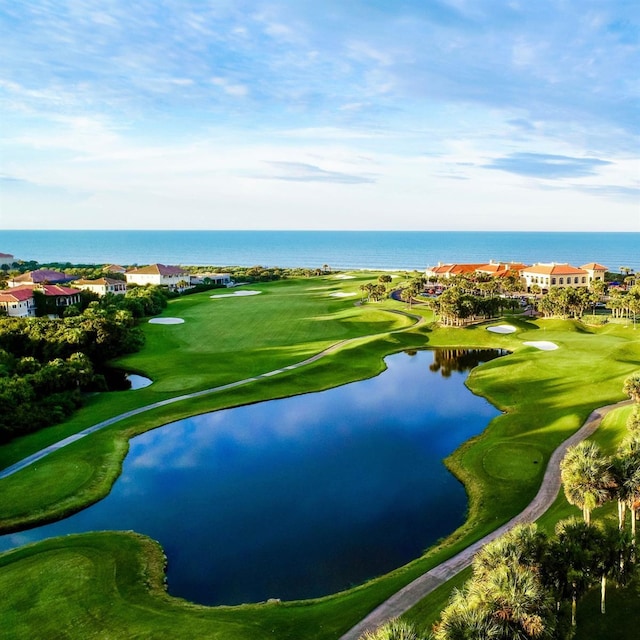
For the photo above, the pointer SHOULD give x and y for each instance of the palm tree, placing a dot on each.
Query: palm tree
(586, 477)
(571, 561)
(395, 629)
(523, 544)
(462, 619)
(505, 597)
(631, 386)
(613, 560)
(627, 476)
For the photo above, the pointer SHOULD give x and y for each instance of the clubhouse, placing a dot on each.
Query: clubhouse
(543, 275)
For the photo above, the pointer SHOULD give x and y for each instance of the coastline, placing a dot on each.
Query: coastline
(340, 250)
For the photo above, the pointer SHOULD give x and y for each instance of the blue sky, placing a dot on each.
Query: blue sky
(332, 114)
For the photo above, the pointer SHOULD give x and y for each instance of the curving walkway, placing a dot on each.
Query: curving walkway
(25, 462)
(410, 595)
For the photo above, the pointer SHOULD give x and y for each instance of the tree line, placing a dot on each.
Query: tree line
(47, 364)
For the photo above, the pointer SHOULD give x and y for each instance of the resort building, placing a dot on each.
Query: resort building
(159, 275)
(40, 277)
(102, 286)
(552, 275)
(6, 258)
(18, 302)
(495, 269)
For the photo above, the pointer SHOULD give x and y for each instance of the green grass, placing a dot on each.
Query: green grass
(545, 396)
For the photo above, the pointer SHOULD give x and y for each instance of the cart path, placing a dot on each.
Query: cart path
(411, 594)
(25, 462)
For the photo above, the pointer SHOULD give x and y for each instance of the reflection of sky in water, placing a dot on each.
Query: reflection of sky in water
(296, 497)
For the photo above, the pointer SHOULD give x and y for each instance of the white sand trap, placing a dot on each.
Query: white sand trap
(166, 321)
(344, 276)
(502, 328)
(543, 345)
(236, 294)
(341, 294)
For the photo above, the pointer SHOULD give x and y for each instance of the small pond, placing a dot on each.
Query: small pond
(119, 380)
(299, 497)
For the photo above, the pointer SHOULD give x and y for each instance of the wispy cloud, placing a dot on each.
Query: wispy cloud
(303, 172)
(546, 166)
(546, 90)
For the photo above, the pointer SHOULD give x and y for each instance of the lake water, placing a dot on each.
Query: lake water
(299, 497)
(313, 249)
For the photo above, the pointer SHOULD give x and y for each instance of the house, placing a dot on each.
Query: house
(102, 286)
(18, 302)
(222, 279)
(552, 275)
(6, 258)
(58, 295)
(159, 275)
(39, 277)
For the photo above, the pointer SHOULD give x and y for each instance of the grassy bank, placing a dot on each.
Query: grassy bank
(545, 395)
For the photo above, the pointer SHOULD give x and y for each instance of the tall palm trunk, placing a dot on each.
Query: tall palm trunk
(603, 592)
(622, 512)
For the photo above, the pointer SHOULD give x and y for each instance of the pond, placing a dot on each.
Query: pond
(299, 497)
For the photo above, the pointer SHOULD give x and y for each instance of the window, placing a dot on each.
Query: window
(575, 280)
(561, 280)
(583, 279)
(553, 280)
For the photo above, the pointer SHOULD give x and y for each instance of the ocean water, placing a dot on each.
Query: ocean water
(312, 249)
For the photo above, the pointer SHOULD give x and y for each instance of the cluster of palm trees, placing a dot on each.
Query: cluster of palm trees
(526, 584)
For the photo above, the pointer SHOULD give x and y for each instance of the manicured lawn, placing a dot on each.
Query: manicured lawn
(546, 395)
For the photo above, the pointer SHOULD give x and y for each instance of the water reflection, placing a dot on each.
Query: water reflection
(298, 497)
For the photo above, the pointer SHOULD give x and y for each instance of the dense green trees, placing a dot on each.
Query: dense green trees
(527, 585)
(46, 363)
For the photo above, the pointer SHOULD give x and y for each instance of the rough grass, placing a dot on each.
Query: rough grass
(545, 396)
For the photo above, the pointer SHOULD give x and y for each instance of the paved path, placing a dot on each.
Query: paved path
(25, 462)
(410, 595)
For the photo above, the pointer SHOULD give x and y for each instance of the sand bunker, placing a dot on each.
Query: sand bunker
(542, 344)
(166, 321)
(341, 294)
(344, 276)
(236, 294)
(502, 328)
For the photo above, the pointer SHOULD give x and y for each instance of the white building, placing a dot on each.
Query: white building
(552, 275)
(159, 275)
(18, 302)
(102, 286)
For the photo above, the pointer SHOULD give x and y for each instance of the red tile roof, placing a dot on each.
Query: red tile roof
(57, 290)
(594, 266)
(554, 270)
(18, 294)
